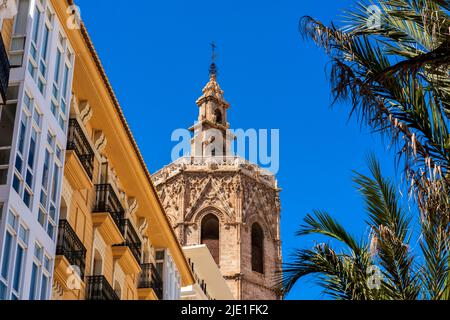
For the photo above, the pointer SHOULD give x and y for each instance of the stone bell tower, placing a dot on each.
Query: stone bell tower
(225, 202)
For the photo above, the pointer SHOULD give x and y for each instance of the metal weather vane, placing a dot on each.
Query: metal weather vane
(213, 67)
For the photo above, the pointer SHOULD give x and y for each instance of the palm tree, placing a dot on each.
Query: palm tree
(382, 267)
(392, 63)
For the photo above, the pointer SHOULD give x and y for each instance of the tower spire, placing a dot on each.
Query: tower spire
(213, 67)
(211, 135)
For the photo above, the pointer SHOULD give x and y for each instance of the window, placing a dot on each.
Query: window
(22, 241)
(3, 289)
(62, 81)
(51, 187)
(34, 283)
(7, 118)
(23, 181)
(40, 275)
(44, 286)
(31, 154)
(46, 172)
(41, 44)
(12, 268)
(17, 184)
(257, 248)
(6, 255)
(210, 235)
(97, 267)
(23, 129)
(19, 33)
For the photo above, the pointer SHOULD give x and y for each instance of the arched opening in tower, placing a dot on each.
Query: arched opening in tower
(257, 249)
(218, 115)
(210, 235)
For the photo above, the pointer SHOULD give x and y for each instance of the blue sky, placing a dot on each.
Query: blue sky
(157, 54)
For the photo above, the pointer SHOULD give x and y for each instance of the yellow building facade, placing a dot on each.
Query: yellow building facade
(110, 233)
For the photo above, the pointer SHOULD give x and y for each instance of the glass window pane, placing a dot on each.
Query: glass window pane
(45, 43)
(27, 101)
(33, 286)
(19, 163)
(2, 291)
(46, 170)
(23, 234)
(16, 184)
(21, 19)
(37, 117)
(47, 263)
(6, 255)
(41, 217)
(27, 198)
(44, 287)
(55, 183)
(66, 81)
(29, 179)
(36, 20)
(51, 231)
(23, 128)
(31, 154)
(12, 220)
(57, 66)
(18, 268)
(38, 252)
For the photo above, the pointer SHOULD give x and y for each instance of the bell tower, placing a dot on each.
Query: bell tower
(225, 202)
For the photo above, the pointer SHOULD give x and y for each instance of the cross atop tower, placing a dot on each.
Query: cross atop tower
(213, 67)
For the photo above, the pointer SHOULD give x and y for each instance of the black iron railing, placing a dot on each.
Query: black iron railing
(151, 279)
(199, 281)
(98, 288)
(131, 237)
(78, 142)
(106, 200)
(4, 71)
(71, 247)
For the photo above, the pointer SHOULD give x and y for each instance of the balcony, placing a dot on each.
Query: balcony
(132, 240)
(150, 279)
(108, 214)
(79, 144)
(71, 247)
(106, 200)
(4, 72)
(98, 288)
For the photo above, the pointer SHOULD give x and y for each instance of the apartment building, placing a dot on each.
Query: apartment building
(80, 217)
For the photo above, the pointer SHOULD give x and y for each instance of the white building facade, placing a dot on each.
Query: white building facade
(209, 282)
(33, 140)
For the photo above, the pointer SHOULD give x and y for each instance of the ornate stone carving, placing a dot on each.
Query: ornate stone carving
(133, 206)
(143, 226)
